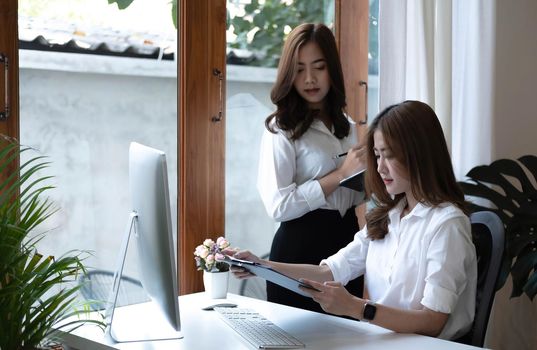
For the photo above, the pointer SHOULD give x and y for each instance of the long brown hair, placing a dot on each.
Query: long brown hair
(414, 135)
(292, 113)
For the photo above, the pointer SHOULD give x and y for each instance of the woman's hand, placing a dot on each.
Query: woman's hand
(332, 296)
(355, 160)
(239, 272)
(335, 299)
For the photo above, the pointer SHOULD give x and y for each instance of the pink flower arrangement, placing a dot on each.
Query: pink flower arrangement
(209, 253)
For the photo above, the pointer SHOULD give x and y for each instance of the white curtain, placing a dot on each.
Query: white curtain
(441, 52)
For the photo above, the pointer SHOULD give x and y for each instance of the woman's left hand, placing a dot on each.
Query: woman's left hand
(332, 296)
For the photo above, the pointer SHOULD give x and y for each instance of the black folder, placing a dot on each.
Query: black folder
(354, 182)
(269, 274)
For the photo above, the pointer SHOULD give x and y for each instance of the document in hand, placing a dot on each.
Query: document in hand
(354, 182)
(269, 274)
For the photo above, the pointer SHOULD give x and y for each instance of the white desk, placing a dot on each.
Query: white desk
(206, 330)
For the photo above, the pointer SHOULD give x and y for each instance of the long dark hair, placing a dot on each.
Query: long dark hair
(292, 113)
(414, 136)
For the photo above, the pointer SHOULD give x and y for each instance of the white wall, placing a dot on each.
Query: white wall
(514, 321)
(515, 106)
(82, 113)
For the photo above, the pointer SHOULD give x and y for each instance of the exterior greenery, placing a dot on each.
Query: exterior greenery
(37, 292)
(506, 184)
(270, 21)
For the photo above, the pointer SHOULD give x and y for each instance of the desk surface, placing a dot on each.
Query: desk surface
(206, 330)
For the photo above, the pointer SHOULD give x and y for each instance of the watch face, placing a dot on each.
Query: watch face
(369, 311)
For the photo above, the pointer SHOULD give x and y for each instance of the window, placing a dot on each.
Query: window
(83, 110)
(255, 36)
(201, 143)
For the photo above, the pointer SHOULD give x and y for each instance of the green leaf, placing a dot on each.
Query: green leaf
(512, 168)
(121, 4)
(517, 208)
(36, 291)
(529, 162)
(505, 269)
(524, 264)
(489, 175)
(174, 14)
(530, 288)
(501, 202)
(521, 232)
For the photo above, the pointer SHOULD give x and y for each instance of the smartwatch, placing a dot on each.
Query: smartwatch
(369, 311)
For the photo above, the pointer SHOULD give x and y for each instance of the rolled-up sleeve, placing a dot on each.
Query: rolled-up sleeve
(349, 262)
(450, 254)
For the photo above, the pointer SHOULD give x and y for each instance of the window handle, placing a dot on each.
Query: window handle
(364, 83)
(218, 73)
(5, 61)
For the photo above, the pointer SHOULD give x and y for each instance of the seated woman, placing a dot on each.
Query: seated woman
(416, 251)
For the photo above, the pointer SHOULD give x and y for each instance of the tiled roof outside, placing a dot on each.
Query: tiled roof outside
(50, 35)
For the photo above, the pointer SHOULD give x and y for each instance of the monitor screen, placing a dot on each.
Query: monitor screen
(151, 227)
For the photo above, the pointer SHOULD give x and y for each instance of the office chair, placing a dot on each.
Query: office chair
(97, 284)
(254, 287)
(488, 237)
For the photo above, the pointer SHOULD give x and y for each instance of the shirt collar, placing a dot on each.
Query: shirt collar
(317, 124)
(420, 210)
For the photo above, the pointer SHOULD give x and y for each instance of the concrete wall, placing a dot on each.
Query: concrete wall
(83, 111)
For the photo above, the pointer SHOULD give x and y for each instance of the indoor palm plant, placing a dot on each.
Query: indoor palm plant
(37, 292)
(506, 184)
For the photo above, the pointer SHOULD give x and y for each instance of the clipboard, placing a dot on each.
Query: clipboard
(269, 274)
(354, 182)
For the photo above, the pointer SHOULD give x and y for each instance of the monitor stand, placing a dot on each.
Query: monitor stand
(139, 322)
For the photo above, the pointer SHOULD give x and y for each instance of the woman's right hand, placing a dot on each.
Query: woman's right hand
(355, 160)
(239, 272)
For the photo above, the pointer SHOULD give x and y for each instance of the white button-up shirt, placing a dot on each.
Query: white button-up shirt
(426, 259)
(289, 172)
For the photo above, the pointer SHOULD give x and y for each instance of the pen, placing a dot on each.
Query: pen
(340, 155)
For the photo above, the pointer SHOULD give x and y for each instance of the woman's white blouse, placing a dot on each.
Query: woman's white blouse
(426, 259)
(289, 171)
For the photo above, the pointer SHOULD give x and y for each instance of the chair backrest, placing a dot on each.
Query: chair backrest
(488, 237)
(97, 284)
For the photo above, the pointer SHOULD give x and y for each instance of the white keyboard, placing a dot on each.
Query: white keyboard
(257, 330)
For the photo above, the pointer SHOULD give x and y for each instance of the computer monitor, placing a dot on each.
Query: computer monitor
(150, 221)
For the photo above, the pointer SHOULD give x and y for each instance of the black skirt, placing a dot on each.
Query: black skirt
(308, 240)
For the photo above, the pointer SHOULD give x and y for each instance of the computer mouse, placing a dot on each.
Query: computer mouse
(218, 304)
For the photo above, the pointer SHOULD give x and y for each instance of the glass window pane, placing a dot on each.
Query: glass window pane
(373, 63)
(82, 110)
(255, 37)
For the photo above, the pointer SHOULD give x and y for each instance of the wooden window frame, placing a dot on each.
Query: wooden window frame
(201, 142)
(9, 46)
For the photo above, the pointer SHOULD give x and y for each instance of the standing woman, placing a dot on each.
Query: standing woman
(299, 175)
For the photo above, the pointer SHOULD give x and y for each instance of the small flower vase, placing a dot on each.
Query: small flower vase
(216, 284)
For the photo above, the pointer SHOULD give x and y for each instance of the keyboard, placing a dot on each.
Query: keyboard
(257, 330)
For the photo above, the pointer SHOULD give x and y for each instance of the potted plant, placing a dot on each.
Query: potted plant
(215, 272)
(37, 292)
(505, 183)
